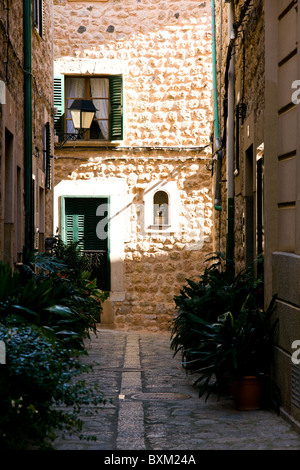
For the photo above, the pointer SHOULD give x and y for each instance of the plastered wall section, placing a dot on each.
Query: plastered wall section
(282, 158)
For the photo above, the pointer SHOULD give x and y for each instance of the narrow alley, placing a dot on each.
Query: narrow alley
(149, 167)
(156, 408)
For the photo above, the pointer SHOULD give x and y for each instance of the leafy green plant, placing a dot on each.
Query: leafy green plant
(235, 347)
(41, 389)
(217, 291)
(53, 291)
(75, 271)
(72, 259)
(46, 311)
(45, 262)
(50, 304)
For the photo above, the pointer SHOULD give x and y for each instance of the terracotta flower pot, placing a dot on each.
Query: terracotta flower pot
(247, 393)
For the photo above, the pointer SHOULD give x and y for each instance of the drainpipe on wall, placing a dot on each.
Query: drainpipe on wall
(27, 125)
(230, 147)
(217, 203)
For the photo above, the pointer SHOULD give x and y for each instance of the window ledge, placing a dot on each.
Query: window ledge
(161, 229)
(37, 34)
(91, 144)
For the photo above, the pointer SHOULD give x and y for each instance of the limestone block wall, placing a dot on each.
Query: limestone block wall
(163, 51)
(155, 265)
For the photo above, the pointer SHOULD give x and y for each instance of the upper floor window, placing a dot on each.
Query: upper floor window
(107, 96)
(38, 16)
(97, 90)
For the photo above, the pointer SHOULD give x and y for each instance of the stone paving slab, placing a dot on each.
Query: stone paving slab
(156, 408)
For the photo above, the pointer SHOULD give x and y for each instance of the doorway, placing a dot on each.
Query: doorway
(81, 221)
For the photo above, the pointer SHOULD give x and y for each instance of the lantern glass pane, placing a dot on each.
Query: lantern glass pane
(87, 118)
(75, 115)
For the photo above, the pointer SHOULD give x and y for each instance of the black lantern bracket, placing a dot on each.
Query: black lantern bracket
(82, 114)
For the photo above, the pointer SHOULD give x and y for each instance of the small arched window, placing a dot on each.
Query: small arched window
(161, 208)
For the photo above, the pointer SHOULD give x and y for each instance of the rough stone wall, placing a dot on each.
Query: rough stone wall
(220, 217)
(251, 86)
(12, 115)
(155, 266)
(42, 104)
(249, 89)
(11, 122)
(11, 74)
(163, 50)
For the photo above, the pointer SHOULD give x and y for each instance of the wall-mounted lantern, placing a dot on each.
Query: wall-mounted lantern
(82, 114)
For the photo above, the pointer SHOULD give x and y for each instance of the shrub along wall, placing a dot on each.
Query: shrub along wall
(44, 320)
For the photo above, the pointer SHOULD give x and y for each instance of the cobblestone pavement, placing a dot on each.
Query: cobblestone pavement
(156, 408)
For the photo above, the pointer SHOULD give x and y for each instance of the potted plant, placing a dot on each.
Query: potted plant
(252, 355)
(237, 352)
(202, 300)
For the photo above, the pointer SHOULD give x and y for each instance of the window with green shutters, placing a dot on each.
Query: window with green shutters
(38, 16)
(106, 92)
(81, 224)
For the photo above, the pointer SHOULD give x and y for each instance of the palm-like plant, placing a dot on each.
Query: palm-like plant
(234, 347)
(65, 309)
(201, 302)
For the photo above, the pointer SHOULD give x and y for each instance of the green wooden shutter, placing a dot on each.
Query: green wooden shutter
(59, 104)
(75, 218)
(80, 226)
(92, 242)
(81, 222)
(116, 107)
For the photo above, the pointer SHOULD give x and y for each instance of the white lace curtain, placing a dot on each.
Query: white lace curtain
(99, 89)
(75, 89)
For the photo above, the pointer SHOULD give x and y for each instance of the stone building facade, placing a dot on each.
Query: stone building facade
(244, 138)
(260, 161)
(25, 144)
(157, 156)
